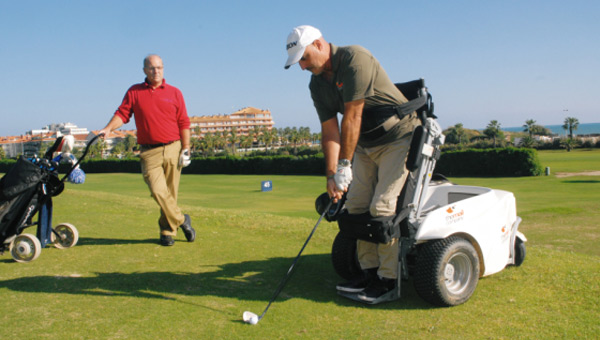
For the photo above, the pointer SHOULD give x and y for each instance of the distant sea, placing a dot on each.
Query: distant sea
(582, 129)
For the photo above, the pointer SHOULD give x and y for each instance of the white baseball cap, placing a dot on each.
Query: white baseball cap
(297, 41)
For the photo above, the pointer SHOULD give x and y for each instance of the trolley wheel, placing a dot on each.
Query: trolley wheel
(25, 248)
(68, 236)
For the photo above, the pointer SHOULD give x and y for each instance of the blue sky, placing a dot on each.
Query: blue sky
(72, 61)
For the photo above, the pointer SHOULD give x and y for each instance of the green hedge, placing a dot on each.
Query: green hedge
(130, 165)
(6, 164)
(503, 162)
(278, 165)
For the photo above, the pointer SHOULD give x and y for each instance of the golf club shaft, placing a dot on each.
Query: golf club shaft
(287, 275)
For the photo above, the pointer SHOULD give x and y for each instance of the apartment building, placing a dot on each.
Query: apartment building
(243, 121)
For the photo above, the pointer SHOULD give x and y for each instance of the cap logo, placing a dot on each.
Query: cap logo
(292, 44)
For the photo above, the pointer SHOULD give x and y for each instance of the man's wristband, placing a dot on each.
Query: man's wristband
(330, 176)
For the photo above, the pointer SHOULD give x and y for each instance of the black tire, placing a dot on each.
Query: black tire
(520, 252)
(447, 271)
(344, 258)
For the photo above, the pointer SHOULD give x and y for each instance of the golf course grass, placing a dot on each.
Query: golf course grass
(119, 283)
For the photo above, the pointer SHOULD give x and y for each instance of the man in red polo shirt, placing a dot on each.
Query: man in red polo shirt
(163, 133)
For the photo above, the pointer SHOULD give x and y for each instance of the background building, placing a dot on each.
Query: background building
(244, 121)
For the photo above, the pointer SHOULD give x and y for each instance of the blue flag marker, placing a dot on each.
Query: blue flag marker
(266, 186)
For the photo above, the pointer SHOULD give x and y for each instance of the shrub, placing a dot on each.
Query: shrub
(504, 162)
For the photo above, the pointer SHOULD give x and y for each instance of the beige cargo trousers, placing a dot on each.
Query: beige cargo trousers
(379, 173)
(161, 171)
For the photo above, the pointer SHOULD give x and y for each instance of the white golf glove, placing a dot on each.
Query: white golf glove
(343, 177)
(184, 158)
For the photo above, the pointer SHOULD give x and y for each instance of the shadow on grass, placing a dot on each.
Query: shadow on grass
(313, 279)
(90, 241)
(582, 181)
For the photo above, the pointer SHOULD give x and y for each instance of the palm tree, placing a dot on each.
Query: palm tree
(196, 144)
(118, 149)
(97, 149)
(456, 134)
(269, 136)
(246, 141)
(220, 140)
(233, 139)
(460, 132)
(568, 143)
(255, 133)
(210, 142)
(571, 124)
(304, 134)
(316, 137)
(130, 142)
(294, 138)
(529, 127)
(527, 142)
(493, 131)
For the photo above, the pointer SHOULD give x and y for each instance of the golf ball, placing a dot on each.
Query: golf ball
(253, 320)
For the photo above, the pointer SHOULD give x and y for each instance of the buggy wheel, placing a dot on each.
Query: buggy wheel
(519, 252)
(344, 258)
(447, 271)
(68, 236)
(25, 248)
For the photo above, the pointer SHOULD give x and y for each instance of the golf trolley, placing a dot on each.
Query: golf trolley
(26, 189)
(449, 235)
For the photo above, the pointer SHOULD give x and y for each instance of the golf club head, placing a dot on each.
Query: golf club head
(322, 205)
(250, 318)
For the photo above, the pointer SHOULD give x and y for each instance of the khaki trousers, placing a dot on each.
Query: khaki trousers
(379, 175)
(161, 171)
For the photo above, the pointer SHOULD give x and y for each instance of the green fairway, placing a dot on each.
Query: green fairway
(119, 283)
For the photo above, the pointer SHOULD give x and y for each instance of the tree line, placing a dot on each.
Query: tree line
(492, 136)
(289, 140)
(223, 142)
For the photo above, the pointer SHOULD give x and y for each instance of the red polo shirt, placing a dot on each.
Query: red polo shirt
(159, 113)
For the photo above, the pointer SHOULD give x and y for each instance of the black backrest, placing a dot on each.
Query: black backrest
(411, 89)
(415, 89)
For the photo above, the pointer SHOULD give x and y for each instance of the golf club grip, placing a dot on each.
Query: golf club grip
(288, 274)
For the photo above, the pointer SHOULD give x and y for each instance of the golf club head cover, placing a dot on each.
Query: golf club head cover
(77, 176)
(66, 146)
(334, 211)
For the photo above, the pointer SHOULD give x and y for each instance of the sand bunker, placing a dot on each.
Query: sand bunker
(584, 173)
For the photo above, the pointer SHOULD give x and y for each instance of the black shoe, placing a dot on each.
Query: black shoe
(377, 288)
(166, 240)
(358, 284)
(190, 233)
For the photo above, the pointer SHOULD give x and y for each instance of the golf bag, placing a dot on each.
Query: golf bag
(26, 190)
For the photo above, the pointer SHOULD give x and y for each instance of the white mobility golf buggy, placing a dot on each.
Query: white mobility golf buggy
(449, 235)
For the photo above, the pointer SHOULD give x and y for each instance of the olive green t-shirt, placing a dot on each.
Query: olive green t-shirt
(356, 75)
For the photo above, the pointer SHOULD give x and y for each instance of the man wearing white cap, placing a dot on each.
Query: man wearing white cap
(368, 149)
